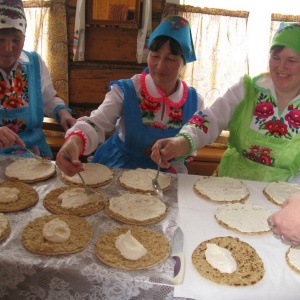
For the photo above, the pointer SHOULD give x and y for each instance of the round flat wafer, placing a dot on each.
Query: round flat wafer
(140, 180)
(293, 258)
(278, 192)
(136, 209)
(94, 175)
(29, 170)
(26, 198)
(53, 203)
(4, 227)
(221, 189)
(33, 240)
(157, 245)
(247, 218)
(250, 267)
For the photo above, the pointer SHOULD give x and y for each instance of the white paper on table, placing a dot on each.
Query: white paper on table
(198, 224)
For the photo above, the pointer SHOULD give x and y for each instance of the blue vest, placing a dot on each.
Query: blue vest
(32, 115)
(134, 152)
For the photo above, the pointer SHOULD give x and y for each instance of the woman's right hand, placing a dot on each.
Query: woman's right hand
(72, 147)
(9, 138)
(171, 148)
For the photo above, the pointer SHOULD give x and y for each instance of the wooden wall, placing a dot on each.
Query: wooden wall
(110, 54)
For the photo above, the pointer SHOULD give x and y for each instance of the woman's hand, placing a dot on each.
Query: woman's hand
(171, 148)
(9, 138)
(73, 147)
(286, 222)
(66, 119)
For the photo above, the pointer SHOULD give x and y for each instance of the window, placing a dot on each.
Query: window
(46, 34)
(259, 31)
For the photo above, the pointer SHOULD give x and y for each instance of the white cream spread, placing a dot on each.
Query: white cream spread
(220, 258)
(245, 217)
(141, 179)
(93, 174)
(73, 198)
(130, 247)
(3, 223)
(294, 257)
(29, 169)
(222, 188)
(8, 195)
(279, 191)
(56, 231)
(137, 206)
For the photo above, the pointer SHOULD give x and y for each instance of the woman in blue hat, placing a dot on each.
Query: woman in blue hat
(26, 89)
(152, 105)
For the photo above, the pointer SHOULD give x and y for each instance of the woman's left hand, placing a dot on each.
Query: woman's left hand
(66, 119)
(286, 222)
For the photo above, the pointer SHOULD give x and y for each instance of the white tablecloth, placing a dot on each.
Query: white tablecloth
(198, 224)
(79, 276)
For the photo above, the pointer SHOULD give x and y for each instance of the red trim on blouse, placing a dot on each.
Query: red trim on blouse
(163, 98)
(83, 137)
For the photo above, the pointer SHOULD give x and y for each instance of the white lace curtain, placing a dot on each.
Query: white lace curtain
(46, 34)
(220, 45)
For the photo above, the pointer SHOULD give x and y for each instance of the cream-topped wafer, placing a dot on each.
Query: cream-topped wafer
(221, 189)
(140, 180)
(72, 200)
(29, 170)
(156, 244)
(136, 208)
(67, 234)
(94, 175)
(246, 217)
(16, 196)
(278, 192)
(249, 266)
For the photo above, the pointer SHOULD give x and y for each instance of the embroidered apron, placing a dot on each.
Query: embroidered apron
(32, 115)
(285, 153)
(135, 151)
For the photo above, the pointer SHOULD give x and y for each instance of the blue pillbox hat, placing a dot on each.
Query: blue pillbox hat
(177, 28)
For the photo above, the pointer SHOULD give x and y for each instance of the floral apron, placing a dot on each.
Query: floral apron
(256, 156)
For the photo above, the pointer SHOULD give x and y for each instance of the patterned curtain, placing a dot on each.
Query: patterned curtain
(220, 44)
(47, 34)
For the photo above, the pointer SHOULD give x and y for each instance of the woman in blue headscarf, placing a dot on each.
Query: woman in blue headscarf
(149, 106)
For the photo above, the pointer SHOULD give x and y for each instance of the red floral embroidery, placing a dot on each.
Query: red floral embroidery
(198, 120)
(19, 84)
(176, 114)
(293, 118)
(264, 110)
(259, 155)
(3, 89)
(148, 106)
(157, 125)
(12, 102)
(276, 128)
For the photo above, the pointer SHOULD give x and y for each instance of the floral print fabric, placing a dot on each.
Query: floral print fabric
(14, 94)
